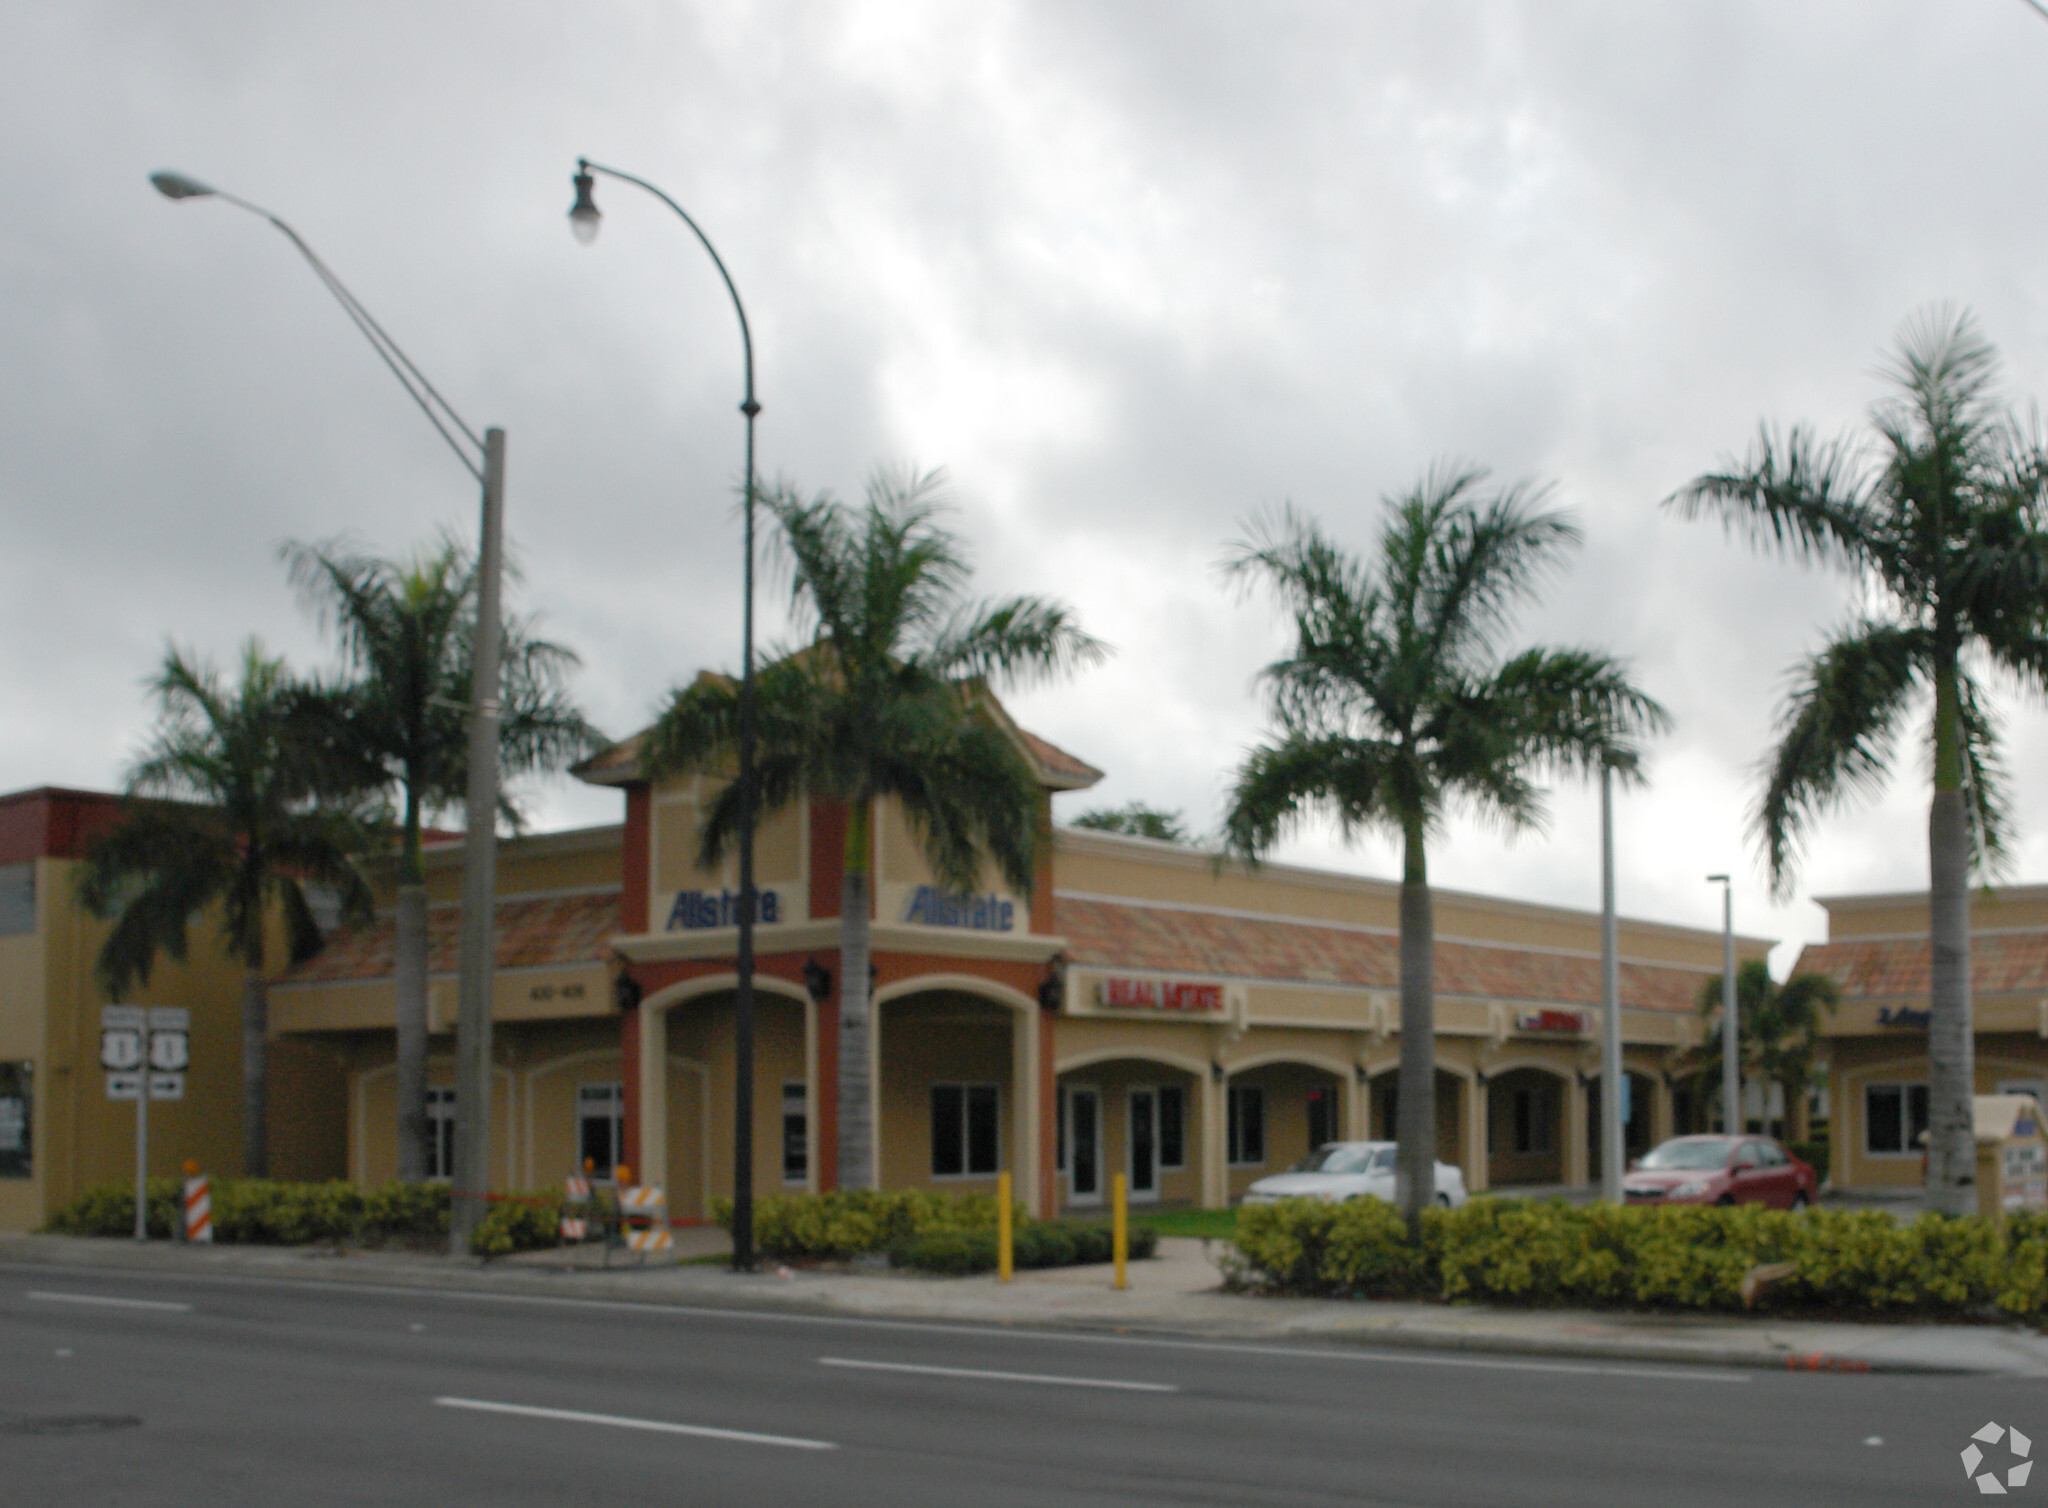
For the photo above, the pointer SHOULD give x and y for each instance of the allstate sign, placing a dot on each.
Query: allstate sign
(934, 907)
(695, 910)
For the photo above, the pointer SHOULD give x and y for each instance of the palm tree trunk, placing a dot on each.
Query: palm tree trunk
(1415, 1110)
(255, 1072)
(856, 938)
(1951, 1069)
(409, 989)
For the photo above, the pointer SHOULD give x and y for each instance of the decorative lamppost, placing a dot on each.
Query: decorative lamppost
(483, 456)
(584, 220)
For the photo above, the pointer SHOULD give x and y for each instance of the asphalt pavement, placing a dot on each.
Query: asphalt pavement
(227, 1387)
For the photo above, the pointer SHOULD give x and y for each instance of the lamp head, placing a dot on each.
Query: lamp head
(178, 186)
(1717, 879)
(583, 215)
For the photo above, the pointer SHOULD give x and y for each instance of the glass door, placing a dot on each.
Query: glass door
(1144, 1144)
(1084, 1146)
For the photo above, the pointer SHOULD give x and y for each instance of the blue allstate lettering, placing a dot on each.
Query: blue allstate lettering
(697, 909)
(978, 913)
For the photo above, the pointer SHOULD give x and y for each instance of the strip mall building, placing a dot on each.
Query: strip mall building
(1140, 1011)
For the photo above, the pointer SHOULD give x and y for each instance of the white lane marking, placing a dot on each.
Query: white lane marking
(112, 1303)
(1681, 1372)
(621, 1421)
(986, 1376)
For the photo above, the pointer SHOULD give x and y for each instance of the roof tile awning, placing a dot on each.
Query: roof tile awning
(1107, 934)
(533, 932)
(2012, 963)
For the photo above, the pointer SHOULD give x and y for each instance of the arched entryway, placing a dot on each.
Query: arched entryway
(954, 1089)
(686, 1113)
(1525, 1127)
(1141, 1116)
(1274, 1112)
(1638, 1120)
(1450, 1109)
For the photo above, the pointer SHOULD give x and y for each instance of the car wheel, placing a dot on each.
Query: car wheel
(1725, 1199)
(1800, 1201)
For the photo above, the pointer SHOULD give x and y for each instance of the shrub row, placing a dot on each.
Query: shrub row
(1522, 1252)
(265, 1211)
(920, 1229)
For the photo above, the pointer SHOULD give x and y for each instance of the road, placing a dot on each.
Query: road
(130, 1388)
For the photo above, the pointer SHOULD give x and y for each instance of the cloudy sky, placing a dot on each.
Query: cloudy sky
(1129, 271)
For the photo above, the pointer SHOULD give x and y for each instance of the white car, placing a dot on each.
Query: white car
(1340, 1170)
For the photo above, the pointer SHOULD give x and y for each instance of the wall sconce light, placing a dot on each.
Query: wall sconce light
(626, 992)
(817, 981)
(1217, 1072)
(1052, 990)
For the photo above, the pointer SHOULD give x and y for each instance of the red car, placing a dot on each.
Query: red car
(1721, 1170)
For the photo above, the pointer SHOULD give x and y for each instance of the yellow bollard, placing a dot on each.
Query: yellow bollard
(1005, 1249)
(1120, 1224)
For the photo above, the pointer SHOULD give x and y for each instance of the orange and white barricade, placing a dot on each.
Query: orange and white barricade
(643, 1212)
(575, 1191)
(198, 1208)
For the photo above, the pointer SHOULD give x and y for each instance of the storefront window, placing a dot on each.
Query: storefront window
(440, 1133)
(965, 1143)
(1894, 1116)
(17, 899)
(600, 1126)
(1534, 1108)
(1173, 1139)
(1245, 1130)
(796, 1132)
(17, 1120)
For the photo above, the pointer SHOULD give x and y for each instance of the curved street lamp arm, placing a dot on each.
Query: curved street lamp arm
(439, 411)
(748, 406)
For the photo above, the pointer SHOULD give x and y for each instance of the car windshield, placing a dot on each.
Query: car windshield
(1687, 1155)
(1339, 1158)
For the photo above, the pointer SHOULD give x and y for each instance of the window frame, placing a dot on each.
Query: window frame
(440, 1132)
(966, 1088)
(1903, 1088)
(1234, 1122)
(617, 1119)
(801, 1178)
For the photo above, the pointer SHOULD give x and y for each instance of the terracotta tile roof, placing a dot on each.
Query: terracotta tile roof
(535, 931)
(1894, 966)
(1065, 771)
(1108, 934)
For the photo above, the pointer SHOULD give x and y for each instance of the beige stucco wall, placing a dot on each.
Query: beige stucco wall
(936, 1037)
(1856, 1062)
(699, 1094)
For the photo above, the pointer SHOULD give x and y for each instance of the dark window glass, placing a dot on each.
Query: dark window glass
(1916, 1114)
(1882, 1127)
(600, 1111)
(17, 899)
(1172, 1127)
(1060, 1134)
(1246, 1124)
(947, 1104)
(440, 1133)
(982, 1139)
(17, 1119)
(796, 1127)
(1322, 1117)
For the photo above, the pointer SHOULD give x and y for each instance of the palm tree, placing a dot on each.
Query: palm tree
(1939, 521)
(1396, 708)
(1777, 1025)
(399, 721)
(887, 701)
(228, 814)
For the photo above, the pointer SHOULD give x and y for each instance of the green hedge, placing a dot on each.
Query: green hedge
(920, 1229)
(269, 1212)
(1679, 1257)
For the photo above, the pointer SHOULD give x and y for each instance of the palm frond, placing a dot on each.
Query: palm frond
(1836, 732)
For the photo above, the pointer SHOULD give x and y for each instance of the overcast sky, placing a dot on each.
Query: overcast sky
(1129, 271)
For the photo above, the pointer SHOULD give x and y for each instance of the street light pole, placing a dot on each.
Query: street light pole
(1613, 1077)
(1731, 1072)
(583, 221)
(484, 458)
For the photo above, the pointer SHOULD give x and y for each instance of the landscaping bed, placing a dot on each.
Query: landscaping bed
(1513, 1251)
(952, 1235)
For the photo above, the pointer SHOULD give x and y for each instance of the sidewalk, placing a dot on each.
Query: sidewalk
(1175, 1293)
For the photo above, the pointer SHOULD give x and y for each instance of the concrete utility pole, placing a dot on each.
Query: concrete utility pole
(1731, 1061)
(1613, 1077)
(483, 456)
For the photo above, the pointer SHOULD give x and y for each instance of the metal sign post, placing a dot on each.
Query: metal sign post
(144, 1052)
